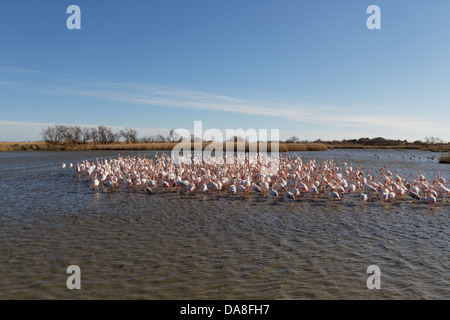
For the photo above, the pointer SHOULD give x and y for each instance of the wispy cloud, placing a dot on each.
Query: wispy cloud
(19, 70)
(396, 123)
(9, 83)
(189, 99)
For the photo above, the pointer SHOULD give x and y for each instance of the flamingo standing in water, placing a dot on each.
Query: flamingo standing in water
(191, 187)
(334, 195)
(294, 178)
(351, 188)
(265, 187)
(314, 191)
(441, 189)
(400, 191)
(431, 198)
(241, 188)
(414, 195)
(290, 195)
(257, 188)
(96, 183)
(391, 196)
(214, 186)
(204, 188)
(303, 187)
(369, 189)
(165, 185)
(364, 197)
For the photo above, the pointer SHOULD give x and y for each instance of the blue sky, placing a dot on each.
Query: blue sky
(308, 68)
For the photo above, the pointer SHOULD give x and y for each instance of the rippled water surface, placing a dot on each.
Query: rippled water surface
(132, 245)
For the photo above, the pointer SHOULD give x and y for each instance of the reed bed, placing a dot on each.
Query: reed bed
(19, 146)
(43, 146)
(149, 146)
(313, 146)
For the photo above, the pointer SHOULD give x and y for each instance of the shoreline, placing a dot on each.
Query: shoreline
(168, 146)
(147, 146)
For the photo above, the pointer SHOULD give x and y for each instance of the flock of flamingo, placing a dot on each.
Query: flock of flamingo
(296, 178)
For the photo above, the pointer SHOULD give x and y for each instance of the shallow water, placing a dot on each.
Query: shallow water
(169, 246)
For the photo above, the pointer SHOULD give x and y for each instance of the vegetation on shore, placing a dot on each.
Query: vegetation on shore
(429, 143)
(74, 138)
(45, 146)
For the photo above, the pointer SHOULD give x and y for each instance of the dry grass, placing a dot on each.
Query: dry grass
(20, 146)
(283, 147)
(439, 148)
(346, 146)
(43, 146)
(134, 146)
(444, 159)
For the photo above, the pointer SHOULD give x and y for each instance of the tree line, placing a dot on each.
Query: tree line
(64, 134)
(379, 141)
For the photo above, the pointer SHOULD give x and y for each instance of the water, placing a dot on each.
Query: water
(166, 246)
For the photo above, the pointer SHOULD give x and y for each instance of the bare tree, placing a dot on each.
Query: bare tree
(130, 135)
(147, 139)
(106, 135)
(94, 135)
(293, 139)
(433, 140)
(73, 134)
(76, 134)
(85, 135)
(160, 138)
(102, 135)
(49, 135)
(61, 133)
(112, 136)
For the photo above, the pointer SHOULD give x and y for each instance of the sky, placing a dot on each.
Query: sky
(311, 69)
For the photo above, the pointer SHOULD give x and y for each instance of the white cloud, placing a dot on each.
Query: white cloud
(19, 70)
(336, 120)
(321, 115)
